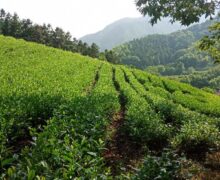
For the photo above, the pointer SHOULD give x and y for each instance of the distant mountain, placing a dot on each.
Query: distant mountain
(128, 29)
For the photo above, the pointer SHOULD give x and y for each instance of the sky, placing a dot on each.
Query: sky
(79, 17)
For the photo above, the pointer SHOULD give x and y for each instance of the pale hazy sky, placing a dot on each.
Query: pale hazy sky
(80, 17)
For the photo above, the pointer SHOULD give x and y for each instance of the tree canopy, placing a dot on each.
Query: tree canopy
(185, 11)
(211, 44)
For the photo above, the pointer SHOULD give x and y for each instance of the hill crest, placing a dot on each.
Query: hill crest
(127, 29)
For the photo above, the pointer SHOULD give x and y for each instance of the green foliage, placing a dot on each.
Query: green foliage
(75, 136)
(131, 61)
(56, 108)
(199, 103)
(197, 136)
(201, 79)
(195, 128)
(187, 12)
(46, 89)
(142, 123)
(187, 62)
(208, 90)
(189, 97)
(94, 51)
(111, 56)
(165, 167)
(174, 55)
(167, 51)
(211, 44)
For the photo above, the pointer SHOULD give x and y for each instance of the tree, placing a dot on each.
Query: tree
(102, 56)
(132, 61)
(15, 26)
(211, 44)
(58, 38)
(111, 56)
(185, 11)
(6, 25)
(27, 29)
(2, 16)
(94, 51)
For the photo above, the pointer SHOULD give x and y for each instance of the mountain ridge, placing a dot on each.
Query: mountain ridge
(127, 29)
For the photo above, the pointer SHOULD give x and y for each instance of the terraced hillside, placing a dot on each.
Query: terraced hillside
(65, 116)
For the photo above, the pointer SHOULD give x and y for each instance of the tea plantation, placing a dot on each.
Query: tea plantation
(67, 116)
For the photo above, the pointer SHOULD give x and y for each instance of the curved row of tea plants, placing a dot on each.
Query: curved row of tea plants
(184, 94)
(191, 132)
(57, 110)
(72, 142)
(34, 82)
(194, 128)
(142, 123)
(38, 86)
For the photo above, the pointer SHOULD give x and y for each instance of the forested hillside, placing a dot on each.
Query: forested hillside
(67, 116)
(186, 62)
(209, 78)
(171, 51)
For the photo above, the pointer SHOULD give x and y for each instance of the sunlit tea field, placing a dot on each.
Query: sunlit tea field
(67, 116)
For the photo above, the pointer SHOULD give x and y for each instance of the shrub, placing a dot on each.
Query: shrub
(165, 167)
(196, 135)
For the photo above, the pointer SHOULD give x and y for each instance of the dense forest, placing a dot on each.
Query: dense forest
(174, 55)
(202, 79)
(185, 61)
(176, 52)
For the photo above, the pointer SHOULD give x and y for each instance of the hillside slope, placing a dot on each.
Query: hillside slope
(65, 116)
(173, 50)
(127, 29)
